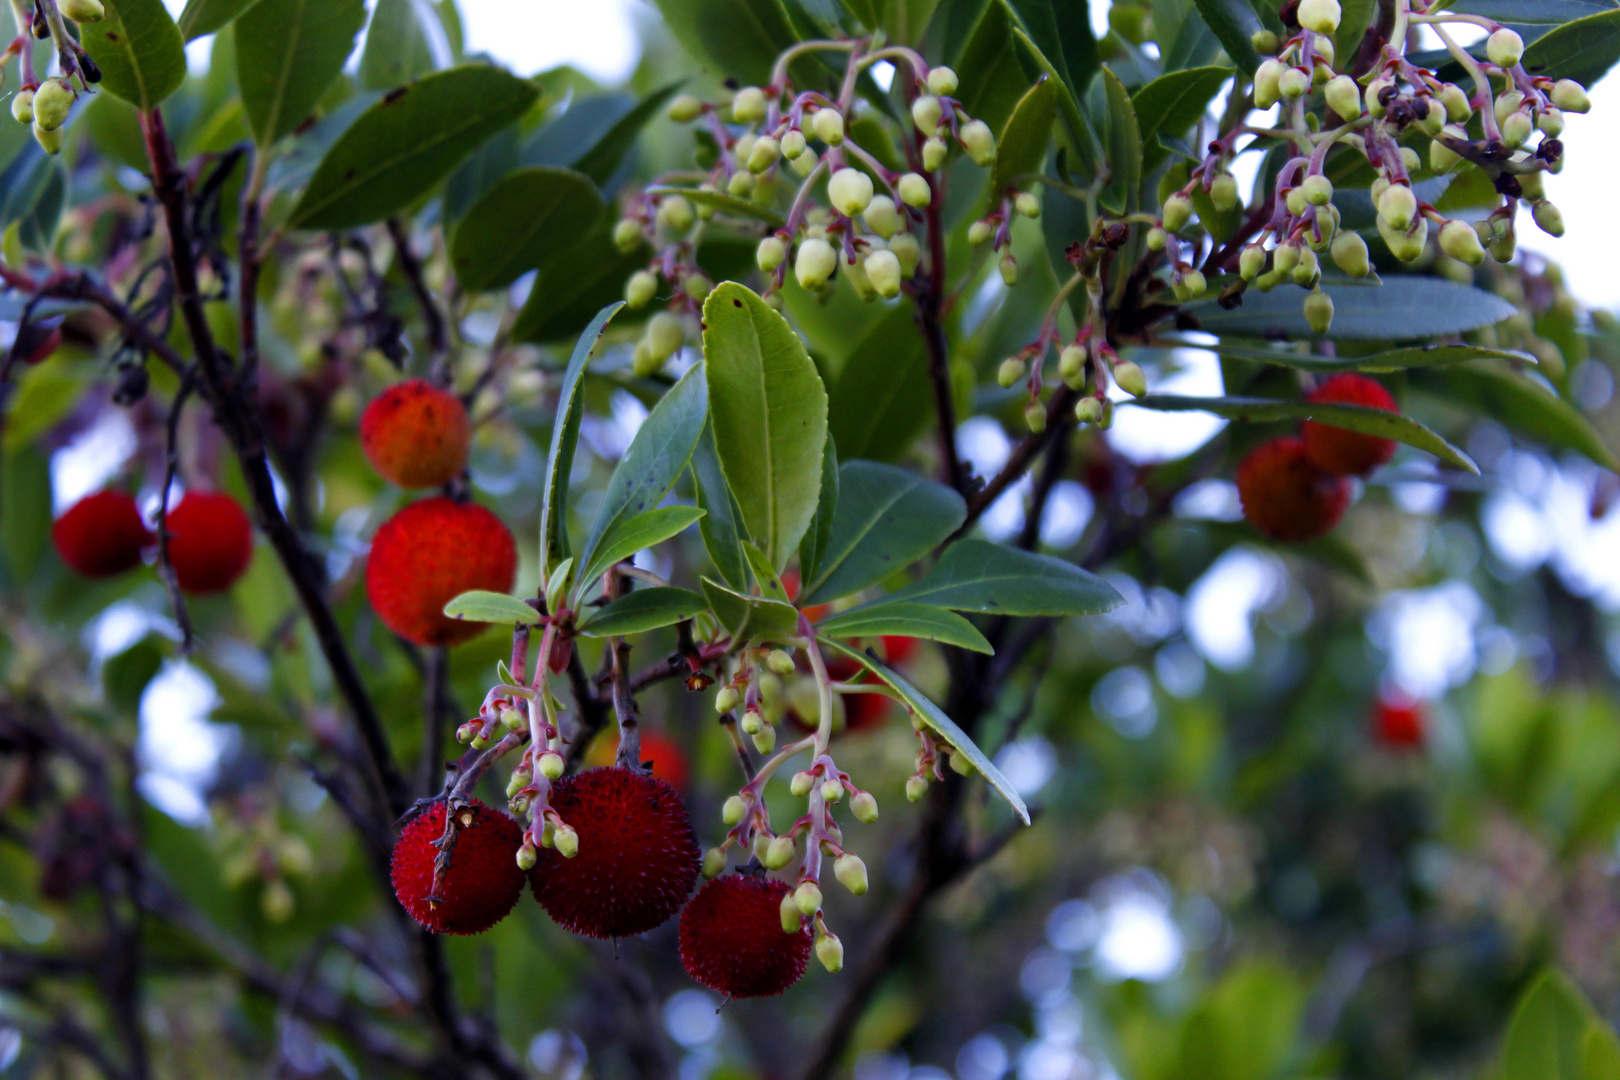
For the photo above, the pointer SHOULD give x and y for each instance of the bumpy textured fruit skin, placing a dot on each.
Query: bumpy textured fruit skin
(428, 554)
(101, 535)
(1286, 495)
(416, 434)
(732, 940)
(1348, 453)
(210, 541)
(637, 860)
(667, 757)
(483, 883)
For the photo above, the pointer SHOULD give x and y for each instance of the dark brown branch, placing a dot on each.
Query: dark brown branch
(435, 722)
(438, 338)
(1023, 453)
(171, 466)
(930, 320)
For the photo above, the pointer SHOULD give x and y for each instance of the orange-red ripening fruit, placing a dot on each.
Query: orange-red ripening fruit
(667, 757)
(416, 434)
(1287, 496)
(732, 939)
(101, 534)
(428, 554)
(1398, 722)
(637, 859)
(210, 541)
(1348, 453)
(483, 882)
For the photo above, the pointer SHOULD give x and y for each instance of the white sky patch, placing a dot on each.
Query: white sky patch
(1028, 764)
(1138, 940)
(179, 749)
(85, 465)
(1220, 605)
(1146, 435)
(1429, 636)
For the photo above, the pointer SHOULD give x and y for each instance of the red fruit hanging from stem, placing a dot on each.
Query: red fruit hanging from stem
(1348, 453)
(1287, 496)
(732, 939)
(428, 554)
(101, 534)
(416, 434)
(210, 541)
(480, 882)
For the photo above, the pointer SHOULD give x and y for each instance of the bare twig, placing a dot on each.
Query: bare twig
(438, 338)
(171, 466)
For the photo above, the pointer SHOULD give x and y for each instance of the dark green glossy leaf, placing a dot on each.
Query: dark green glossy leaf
(882, 398)
(302, 153)
(814, 544)
(935, 718)
(1122, 146)
(596, 144)
(287, 54)
(769, 411)
(1545, 1039)
(482, 170)
(33, 189)
(736, 38)
(575, 285)
(1355, 16)
(554, 547)
(977, 575)
(643, 610)
(750, 618)
(1362, 418)
(905, 620)
(398, 49)
(126, 675)
(628, 535)
(721, 525)
(1233, 21)
(1023, 143)
(203, 17)
(1600, 1053)
(481, 605)
(992, 79)
(1522, 406)
(723, 203)
(1173, 103)
(1403, 309)
(524, 221)
(1413, 356)
(402, 146)
(654, 460)
(1084, 154)
(139, 50)
(887, 519)
(1583, 50)
(1062, 30)
(765, 575)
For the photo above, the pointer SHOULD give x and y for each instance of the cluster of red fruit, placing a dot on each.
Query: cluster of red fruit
(419, 436)
(637, 861)
(1297, 488)
(210, 538)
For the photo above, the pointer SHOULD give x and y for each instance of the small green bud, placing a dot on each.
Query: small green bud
(1434, 116)
(1459, 240)
(22, 106)
(792, 920)
(934, 152)
(714, 863)
(627, 234)
(748, 105)
(765, 739)
(855, 274)
(926, 113)
(1009, 270)
(1551, 122)
(1157, 238)
(780, 661)
(914, 190)
(1504, 47)
(1251, 261)
(752, 722)
(1178, 210)
(851, 873)
(1223, 192)
(1548, 217)
(793, 144)
(1307, 270)
(552, 765)
(1397, 207)
(1344, 97)
(1035, 417)
(1269, 280)
(764, 154)
(1130, 378)
(916, 788)
(1268, 83)
(1570, 96)
(1373, 97)
(52, 103)
(832, 791)
(685, 109)
(762, 846)
(1011, 372)
(804, 164)
(807, 898)
(566, 840)
(1295, 201)
(1442, 158)
(907, 249)
(801, 784)
(697, 286)
(1193, 281)
(1507, 104)
(666, 333)
(979, 232)
(960, 765)
(864, 806)
(849, 190)
(520, 779)
(828, 125)
(1458, 109)
(527, 856)
(741, 184)
(942, 81)
(1072, 366)
(1265, 42)
(1532, 185)
(1517, 129)
(726, 699)
(1294, 84)
(479, 741)
(642, 362)
(771, 253)
(1318, 190)
(883, 217)
(512, 720)
(1027, 204)
(779, 854)
(83, 11)
(815, 263)
(1350, 254)
(1405, 244)
(641, 288)
(1088, 410)
(830, 951)
(1319, 311)
(979, 142)
(676, 213)
(883, 271)
(1321, 16)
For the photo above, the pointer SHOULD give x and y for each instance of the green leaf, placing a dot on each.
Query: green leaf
(1122, 145)
(203, 17)
(1362, 418)
(571, 288)
(481, 605)
(602, 158)
(906, 620)
(1175, 102)
(406, 143)
(654, 460)
(482, 170)
(887, 519)
(721, 526)
(287, 54)
(992, 79)
(748, 618)
(1546, 1035)
(814, 544)
(976, 575)
(1412, 356)
(1583, 50)
(398, 49)
(1600, 1053)
(769, 410)
(1023, 143)
(1404, 309)
(723, 203)
(1355, 16)
(1233, 21)
(632, 534)
(564, 439)
(942, 725)
(125, 676)
(33, 189)
(298, 158)
(765, 576)
(1062, 30)
(643, 610)
(521, 224)
(1081, 142)
(1521, 405)
(139, 50)
(882, 399)
(737, 38)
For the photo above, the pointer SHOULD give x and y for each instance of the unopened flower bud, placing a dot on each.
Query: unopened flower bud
(916, 788)
(771, 253)
(1178, 210)
(627, 235)
(1319, 311)
(883, 217)
(815, 263)
(566, 841)
(520, 779)
(666, 333)
(1455, 100)
(1009, 270)
(792, 919)
(1459, 240)
(1397, 207)
(942, 81)
(676, 213)
(851, 873)
(765, 739)
(804, 164)
(641, 288)
(685, 108)
(1265, 42)
(1193, 282)
(734, 810)
(1035, 417)
(1532, 185)
(726, 699)
(864, 806)
(1517, 129)
(1223, 192)
(883, 271)
(979, 232)
(801, 783)
(1269, 280)
(1406, 244)
(1350, 254)
(926, 113)
(780, 661)
(960, 765)
(1294, 84)
(1374, 97)
(1504, 47)
(1251, 261)
(52, 103)
(934, 152)
(527, 856)
(979, 142)
(552, 765)
(752, 722)
(1011, 371)
(714, 863)
(83, 11)
(1442, 158)
(1344, 96)
(830, 951)
(22, 106)
(1570, 96)
(828, 125)
(1318, 190)
(748, 105)
(807, 898)
(1157, 238)
(1548, 217)
(779, 853)
(1295, 201)
(1507, 104)
(831, 791)
(1027, 204)
(764, 154)
(1072, 366)
(1268, 83)
(850, 191)
(1307, 270)
(1130, 378)
(908, 251)
(741, 184)
(1321, 16)
(1551, 122)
